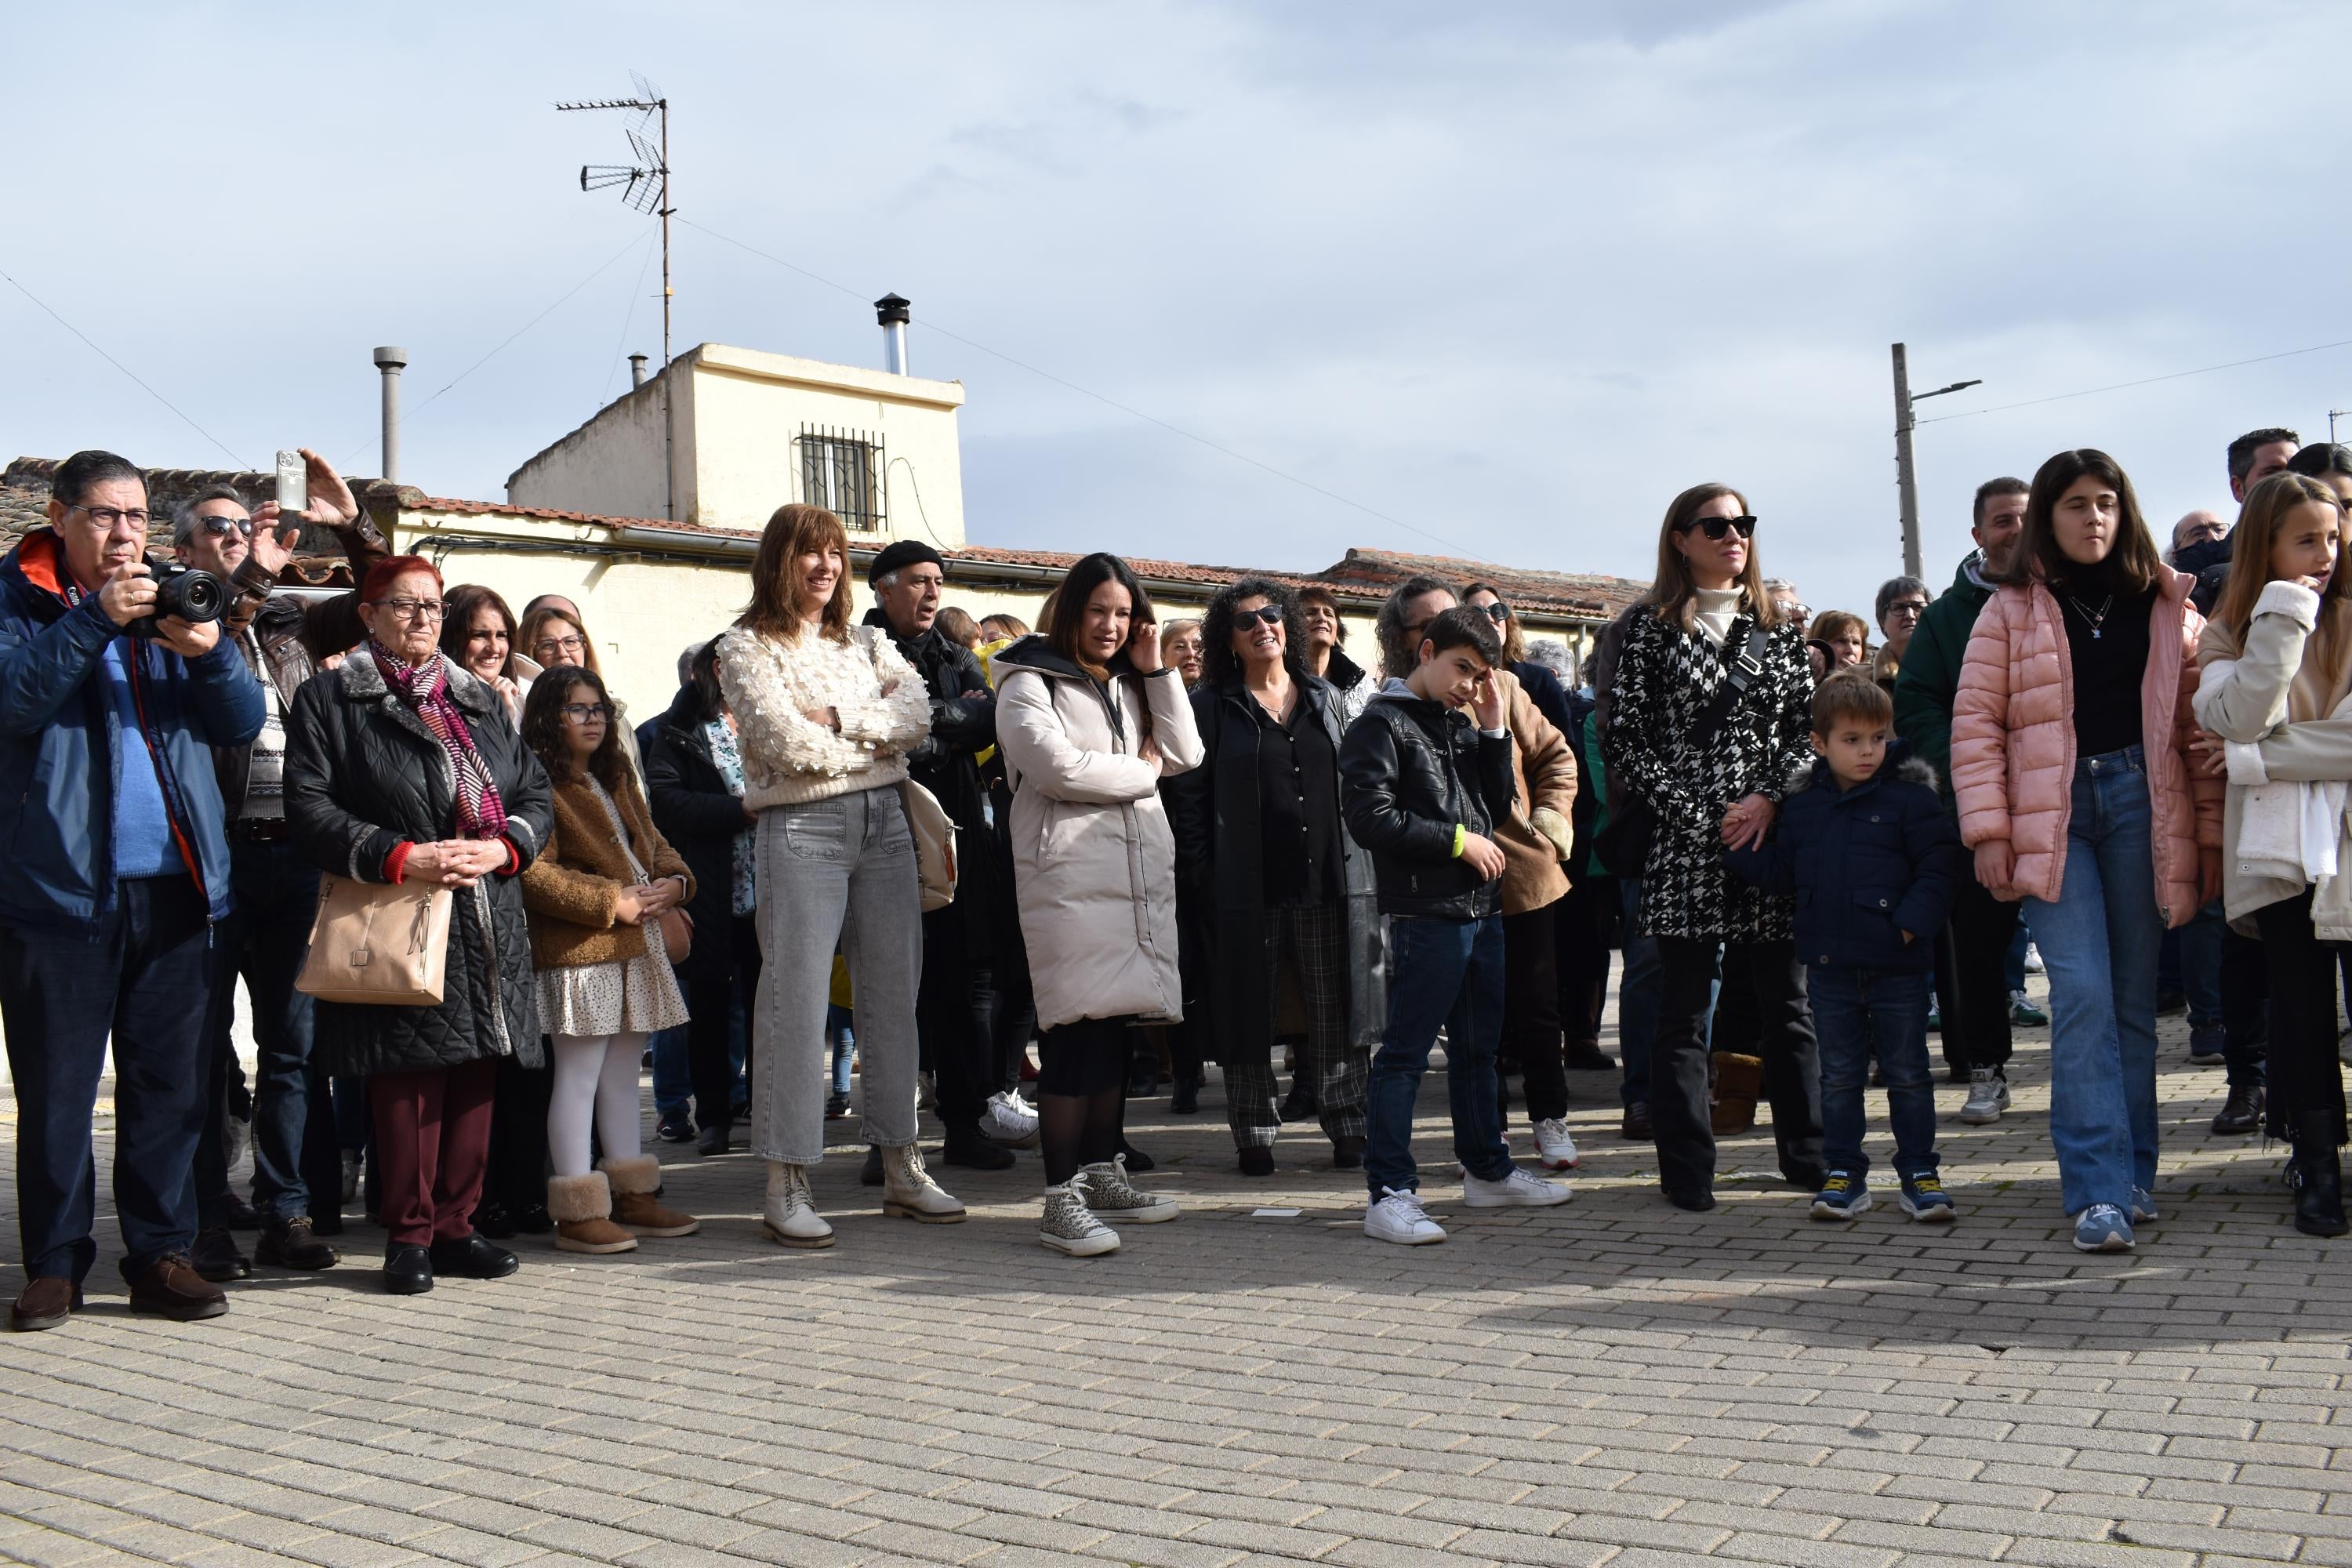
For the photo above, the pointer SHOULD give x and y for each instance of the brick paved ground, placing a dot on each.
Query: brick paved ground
(1612, 1381)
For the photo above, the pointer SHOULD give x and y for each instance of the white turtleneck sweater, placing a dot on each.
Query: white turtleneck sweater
(1713, 612)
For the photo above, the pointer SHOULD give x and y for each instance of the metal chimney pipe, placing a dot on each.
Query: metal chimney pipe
(636, 372)
(892, 311)
(391, 362)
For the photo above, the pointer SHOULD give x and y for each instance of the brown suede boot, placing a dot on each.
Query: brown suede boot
(581, 1207)
(634, 1206)
(1737, 1080)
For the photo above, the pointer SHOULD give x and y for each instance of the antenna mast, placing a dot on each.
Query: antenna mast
(645, 186)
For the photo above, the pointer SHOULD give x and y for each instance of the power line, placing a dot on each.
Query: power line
(2146, 381)
(1451, 547)
(509, 338)
(126, 370)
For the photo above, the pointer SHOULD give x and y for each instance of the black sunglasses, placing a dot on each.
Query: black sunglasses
(1270, 614)
(1497, 612)
(1716, 527)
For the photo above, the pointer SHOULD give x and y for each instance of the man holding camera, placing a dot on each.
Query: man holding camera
(107, 713)
(296, 1155)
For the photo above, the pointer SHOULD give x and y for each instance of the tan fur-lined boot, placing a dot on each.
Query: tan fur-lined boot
(635, 1207)
(581, 1207)
(1738, 1079)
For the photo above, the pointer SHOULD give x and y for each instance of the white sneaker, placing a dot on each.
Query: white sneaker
(1009, 1120)
(1398, 1218)
(2033, 965)
(1987, 1097)
(1520, 1189)
(789, 1214)
(1069, 1227)
(908, 1191)
(1555, 1150)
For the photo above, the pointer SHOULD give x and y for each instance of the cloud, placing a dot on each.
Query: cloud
(1511, 275)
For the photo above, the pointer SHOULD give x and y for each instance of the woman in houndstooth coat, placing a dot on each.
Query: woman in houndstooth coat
(1696, 629)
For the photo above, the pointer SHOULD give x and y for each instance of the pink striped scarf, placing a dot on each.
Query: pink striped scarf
(480, 813)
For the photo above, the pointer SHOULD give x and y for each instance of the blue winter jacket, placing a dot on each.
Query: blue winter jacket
(1865, 865)
(63, 751)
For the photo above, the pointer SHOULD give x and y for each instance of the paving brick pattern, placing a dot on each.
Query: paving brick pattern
(1613, 1382)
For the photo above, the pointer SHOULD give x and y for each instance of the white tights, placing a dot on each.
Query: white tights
(596, 1077)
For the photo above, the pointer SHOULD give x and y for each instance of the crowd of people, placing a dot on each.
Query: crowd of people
(900, 850)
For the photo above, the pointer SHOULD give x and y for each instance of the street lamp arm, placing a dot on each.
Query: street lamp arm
(1956, 387)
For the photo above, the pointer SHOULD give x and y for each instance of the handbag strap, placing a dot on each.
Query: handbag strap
(1738, 675)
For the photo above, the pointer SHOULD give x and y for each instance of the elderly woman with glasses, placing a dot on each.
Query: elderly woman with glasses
(403, 767)
(1901, 602)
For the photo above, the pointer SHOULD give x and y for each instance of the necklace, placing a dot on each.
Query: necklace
(2094, 619)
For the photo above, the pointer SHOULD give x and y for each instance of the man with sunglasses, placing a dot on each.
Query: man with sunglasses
(280, 636)
(118, 870)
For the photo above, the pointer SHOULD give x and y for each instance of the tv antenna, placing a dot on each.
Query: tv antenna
(644, 187)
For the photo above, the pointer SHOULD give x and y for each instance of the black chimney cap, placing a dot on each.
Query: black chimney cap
(893, 310)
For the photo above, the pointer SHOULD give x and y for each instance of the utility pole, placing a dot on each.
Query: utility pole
(645, 185)
(2332, 416)
(1906, 477)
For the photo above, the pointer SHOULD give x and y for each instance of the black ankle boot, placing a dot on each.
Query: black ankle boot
(2319, 1193)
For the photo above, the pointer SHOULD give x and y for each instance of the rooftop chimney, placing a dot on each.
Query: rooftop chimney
(391, 362)
(636, 371)
(892, 311)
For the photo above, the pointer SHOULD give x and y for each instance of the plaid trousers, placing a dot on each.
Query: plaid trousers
(1314, 939)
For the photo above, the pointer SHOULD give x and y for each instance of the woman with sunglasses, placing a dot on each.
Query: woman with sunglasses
(598, 895)
(2072, 735)
(1282, 884)
(1711, 711)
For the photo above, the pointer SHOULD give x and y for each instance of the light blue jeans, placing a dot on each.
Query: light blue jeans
(2099, 941)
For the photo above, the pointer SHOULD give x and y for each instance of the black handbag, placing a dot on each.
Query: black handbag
(1623, 845)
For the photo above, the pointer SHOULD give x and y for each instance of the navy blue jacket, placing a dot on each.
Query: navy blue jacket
(62, 760)
(1865, 865)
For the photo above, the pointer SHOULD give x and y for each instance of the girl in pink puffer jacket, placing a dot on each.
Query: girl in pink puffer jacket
(2071, 761)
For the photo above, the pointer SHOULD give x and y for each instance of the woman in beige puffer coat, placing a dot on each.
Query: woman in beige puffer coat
(1089, 720)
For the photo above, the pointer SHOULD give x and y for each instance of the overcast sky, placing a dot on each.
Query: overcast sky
(1510, 275)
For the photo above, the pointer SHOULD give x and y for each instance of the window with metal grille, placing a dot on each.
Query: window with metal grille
(843, 471)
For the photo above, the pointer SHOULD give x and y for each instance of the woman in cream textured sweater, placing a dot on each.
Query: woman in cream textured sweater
(824, 714)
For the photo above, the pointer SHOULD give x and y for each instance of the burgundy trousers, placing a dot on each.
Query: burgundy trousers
(432, 1146)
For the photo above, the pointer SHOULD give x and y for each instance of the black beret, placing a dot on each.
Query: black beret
(899, 554)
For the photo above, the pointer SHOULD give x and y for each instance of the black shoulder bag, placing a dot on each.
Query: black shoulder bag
(1623, 845)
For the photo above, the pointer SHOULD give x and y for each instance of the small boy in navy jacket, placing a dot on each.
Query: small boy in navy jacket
(1865, 844)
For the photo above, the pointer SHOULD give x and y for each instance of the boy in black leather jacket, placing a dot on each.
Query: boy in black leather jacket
(1422, 789)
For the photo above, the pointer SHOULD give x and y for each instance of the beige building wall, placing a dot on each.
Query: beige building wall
(737, 431)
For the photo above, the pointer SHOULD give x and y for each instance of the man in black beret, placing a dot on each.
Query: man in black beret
(908, 577)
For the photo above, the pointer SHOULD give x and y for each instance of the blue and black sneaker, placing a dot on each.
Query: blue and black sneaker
(1925, 1199)
(2103, 1227)
(1842, 1196)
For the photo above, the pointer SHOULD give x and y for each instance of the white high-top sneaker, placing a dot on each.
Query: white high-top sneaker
(1110, 1194)
(789, 1213)
(908, 1191)
(1009, 1120)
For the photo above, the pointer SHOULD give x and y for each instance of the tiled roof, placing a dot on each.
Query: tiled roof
(319, 557)
(1366, 575)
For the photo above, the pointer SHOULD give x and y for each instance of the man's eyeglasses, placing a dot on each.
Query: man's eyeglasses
(542, 650)
(1497, 612)
(1271, 614)
(587, 712)
(412, 609)
(109, 517)
(1716, 527)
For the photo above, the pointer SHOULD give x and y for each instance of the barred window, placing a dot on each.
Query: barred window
(843, 471)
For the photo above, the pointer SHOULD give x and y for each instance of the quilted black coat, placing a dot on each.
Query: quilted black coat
(1665, 679)
(364, 773)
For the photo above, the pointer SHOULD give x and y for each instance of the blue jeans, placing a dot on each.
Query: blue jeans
(265, 939)
(1449, 972)
(673, 1084)
(2100, 940)
(1637, 1000)
(2201, 965)
(1852, 1007)
(840, 1029)
(2014, 964)
(145, 976)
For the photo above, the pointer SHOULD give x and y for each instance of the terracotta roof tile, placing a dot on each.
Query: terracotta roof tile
(319, 557)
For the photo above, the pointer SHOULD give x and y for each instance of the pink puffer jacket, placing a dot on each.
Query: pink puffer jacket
(2013, 742)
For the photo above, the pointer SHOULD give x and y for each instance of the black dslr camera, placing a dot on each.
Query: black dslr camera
(194, 596)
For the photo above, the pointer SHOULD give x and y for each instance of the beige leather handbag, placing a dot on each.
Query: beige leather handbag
(377, 942)
(935, 844)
